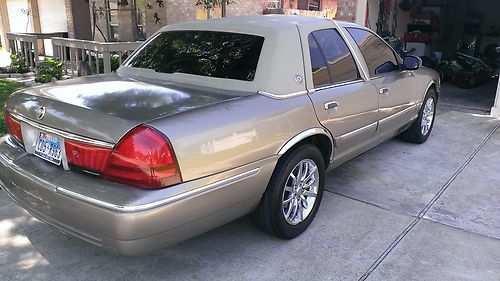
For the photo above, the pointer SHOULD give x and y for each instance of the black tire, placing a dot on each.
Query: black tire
(269, 215)
(414, 133)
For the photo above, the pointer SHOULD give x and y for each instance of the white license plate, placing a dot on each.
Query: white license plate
(48, 148)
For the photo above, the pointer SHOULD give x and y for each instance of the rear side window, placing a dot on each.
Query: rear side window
(378, 56)
(204, 53)
(328, 50)
(321, 77)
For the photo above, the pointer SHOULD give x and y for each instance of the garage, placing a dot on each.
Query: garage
(458, 38)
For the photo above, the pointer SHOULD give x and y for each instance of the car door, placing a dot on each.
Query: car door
(345, 103)
(397, 106)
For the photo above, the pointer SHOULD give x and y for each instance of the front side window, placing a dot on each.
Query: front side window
(329, 45)
(204, 53)
(378, 56)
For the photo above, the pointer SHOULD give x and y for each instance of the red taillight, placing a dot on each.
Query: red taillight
(13, 127)
(143, 158)
(86, 156)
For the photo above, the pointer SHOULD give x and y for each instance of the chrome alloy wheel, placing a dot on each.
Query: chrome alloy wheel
(300, 192)
(427, 116)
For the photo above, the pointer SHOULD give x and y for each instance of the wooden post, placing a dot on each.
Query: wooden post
(4, 23)
(35, 19)
(106, 57)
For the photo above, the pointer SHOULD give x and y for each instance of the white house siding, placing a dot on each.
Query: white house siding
(19, 21)
(52, 19)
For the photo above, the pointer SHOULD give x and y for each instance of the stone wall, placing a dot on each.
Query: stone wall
(248, 7)
(101, 23)
(346, 10)
(156, 16)
(126, 23)
(179, 11)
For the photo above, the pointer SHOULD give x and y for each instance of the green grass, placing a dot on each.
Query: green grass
(6, 88)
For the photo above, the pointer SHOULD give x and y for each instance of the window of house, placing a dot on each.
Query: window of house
(331, 59)
(275, 4)
(311, 5)
(378, 56)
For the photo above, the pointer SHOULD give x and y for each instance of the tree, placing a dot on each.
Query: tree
(210, 4)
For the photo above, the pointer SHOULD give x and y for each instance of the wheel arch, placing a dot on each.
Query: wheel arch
(432, 85)
(319, 137)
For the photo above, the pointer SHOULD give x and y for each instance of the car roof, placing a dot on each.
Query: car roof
(269, 22)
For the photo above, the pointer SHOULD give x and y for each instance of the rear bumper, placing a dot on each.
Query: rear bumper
(128, 220)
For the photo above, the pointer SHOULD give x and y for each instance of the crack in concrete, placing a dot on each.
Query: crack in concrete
(422, 213)
(462, 229)
(369, 203)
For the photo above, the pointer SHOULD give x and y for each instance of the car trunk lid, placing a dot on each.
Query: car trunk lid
(106, 107)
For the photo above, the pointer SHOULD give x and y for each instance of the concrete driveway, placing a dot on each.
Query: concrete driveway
(399, 212)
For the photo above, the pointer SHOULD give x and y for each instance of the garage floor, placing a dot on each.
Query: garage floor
(399, 212)
(479, 99)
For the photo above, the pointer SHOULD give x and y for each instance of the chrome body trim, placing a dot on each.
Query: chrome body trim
(412, 107)
(305, 134)
(359, 130)
(339, 85)
(284, 96)
(61, 133)
(175, 198)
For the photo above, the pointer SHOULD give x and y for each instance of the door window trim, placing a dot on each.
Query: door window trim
(338, 84)
(364, 74)
(361, 74)
(394, 53)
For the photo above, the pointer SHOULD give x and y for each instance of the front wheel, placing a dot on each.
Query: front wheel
(421, 128)
(294, 193)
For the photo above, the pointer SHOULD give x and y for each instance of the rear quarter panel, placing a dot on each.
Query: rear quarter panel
(234, 133)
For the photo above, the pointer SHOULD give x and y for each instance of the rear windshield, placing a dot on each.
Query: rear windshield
(205, 53)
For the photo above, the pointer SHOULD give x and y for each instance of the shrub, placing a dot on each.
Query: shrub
(17, 64)
(48, 70)
(114, 61)
(6, 88)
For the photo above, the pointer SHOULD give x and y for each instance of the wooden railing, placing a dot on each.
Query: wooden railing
(79, 54)
(26, 46)
(30, 45)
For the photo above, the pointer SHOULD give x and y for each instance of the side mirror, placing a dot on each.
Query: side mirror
(412, 63)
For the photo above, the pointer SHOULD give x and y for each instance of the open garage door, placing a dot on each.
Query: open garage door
(457, 37)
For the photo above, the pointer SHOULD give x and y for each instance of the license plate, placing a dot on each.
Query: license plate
(48, 148)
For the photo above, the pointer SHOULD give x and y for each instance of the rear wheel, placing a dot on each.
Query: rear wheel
(293, 194)
(421, 128)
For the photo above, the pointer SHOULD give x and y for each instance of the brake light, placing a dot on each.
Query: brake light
(13, 127)
(86, 156)
(143, 158)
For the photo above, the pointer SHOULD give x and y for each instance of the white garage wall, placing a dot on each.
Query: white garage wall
(52, 19)
(17, 19)
(403, 18)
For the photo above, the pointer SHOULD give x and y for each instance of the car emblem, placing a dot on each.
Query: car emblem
(40, 112)
(298, 79)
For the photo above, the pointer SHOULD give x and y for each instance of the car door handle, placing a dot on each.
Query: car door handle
(331, 105)
(383, 91)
